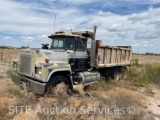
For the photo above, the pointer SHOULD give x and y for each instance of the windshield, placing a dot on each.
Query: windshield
(63, 42)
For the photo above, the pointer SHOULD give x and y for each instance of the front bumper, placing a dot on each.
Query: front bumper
(30, 84)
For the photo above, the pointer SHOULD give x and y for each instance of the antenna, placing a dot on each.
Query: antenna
(55, 22)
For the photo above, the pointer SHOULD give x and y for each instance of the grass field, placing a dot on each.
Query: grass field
(135, 98)
(148, 59)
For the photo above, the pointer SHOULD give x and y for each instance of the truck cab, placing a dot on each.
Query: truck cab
(76, 48)
(67, 59)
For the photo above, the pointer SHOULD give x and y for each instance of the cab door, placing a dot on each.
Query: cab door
(79, 60)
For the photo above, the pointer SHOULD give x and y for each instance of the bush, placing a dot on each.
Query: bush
(13, 77)
(152, 73)
(135, 62)
(146, 74)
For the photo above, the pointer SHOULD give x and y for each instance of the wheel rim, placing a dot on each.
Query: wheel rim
(116, 75)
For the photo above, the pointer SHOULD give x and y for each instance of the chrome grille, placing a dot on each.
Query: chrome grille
(26, 63)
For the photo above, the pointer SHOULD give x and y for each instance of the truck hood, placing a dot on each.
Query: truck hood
(54, 55)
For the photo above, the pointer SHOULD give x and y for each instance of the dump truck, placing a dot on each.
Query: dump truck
(74, 58)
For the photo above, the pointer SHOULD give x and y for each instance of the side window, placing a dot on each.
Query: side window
(81, 44)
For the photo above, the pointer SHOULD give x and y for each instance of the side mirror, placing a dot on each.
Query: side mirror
(89, 43)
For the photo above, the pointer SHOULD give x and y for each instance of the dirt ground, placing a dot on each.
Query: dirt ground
(146, 107)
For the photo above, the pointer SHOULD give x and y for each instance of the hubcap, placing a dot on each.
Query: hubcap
(116, 75)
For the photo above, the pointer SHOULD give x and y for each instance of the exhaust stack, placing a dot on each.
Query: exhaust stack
(94, 32)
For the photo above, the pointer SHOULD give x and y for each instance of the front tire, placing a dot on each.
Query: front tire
(58, 85)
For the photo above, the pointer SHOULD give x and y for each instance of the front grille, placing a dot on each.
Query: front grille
(25, 63)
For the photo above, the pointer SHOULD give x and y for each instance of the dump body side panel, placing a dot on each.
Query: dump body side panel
(108, 56)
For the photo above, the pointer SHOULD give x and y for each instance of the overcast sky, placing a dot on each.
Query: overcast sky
(120, 22)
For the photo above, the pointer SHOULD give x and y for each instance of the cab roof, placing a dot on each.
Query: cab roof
(76, 34)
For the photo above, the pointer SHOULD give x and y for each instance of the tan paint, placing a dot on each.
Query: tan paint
(37, 59)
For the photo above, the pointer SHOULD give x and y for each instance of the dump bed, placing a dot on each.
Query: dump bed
(108, 56)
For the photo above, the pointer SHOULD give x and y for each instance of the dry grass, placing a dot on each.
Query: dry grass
(143, 75)
(24, 116)
(147, 59)
(88, 107)
(110, 95)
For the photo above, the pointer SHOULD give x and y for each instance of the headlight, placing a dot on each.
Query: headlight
(38, 70)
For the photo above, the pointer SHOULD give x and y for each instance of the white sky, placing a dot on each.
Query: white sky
(125, 22)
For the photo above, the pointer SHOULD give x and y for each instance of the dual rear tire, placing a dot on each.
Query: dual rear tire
(115, 73)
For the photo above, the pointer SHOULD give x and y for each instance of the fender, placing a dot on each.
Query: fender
(57, 70)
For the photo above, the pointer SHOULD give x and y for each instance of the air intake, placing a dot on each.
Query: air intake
(25, 64)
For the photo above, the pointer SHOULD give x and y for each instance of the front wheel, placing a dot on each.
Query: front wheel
(58, 85)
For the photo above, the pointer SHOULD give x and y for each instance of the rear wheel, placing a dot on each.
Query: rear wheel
(123, 72)
(107, 74)
(115, 73)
